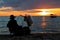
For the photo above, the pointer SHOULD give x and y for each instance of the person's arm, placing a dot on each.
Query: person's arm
(8, 23)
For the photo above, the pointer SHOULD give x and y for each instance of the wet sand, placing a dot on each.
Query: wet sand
(35, 36)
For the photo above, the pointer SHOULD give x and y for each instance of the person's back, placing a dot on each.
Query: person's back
(12, 24)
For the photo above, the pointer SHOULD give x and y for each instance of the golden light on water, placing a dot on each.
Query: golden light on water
(43, 23)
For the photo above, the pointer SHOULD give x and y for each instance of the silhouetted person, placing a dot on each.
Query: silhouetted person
(28, 20)
(12, 25)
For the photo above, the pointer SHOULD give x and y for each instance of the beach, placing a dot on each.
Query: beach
(35, 36)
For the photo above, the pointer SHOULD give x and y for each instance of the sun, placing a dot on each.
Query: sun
(44, 12)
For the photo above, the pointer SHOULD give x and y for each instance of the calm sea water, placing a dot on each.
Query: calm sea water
(41, 24)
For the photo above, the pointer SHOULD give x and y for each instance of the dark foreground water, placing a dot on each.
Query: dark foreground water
(41, 24)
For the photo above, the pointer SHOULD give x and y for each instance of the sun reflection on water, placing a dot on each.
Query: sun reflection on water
(43, 23)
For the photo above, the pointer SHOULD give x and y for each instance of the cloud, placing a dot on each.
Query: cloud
(1, 2)
(6, 9)
(30, 4)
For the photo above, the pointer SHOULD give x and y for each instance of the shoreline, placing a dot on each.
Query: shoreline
(37, 33)
(36, 36)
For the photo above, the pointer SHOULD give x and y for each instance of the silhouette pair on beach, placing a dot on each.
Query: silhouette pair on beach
(16, 29)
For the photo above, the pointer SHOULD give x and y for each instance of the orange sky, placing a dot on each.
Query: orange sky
(34, 12)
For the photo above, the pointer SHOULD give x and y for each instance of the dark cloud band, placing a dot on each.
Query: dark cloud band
(30, 4)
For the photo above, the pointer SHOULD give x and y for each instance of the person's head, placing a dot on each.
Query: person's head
(12, 16)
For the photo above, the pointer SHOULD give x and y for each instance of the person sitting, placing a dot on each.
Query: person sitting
(12, 25)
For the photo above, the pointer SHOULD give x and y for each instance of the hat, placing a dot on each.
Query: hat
(12, 16)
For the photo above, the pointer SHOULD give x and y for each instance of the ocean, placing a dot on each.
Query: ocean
(40, 24)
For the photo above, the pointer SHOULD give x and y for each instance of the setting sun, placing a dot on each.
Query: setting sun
(44, 12)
